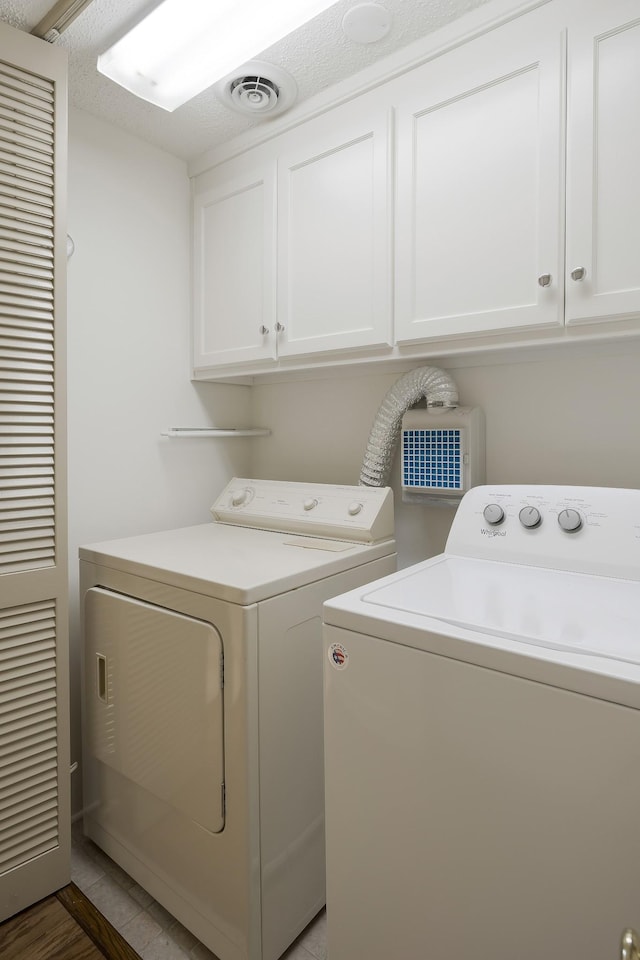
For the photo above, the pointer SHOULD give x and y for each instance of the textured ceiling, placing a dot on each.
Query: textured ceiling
(317, 55)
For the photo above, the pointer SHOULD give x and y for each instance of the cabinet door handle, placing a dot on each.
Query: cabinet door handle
(629, 946)
(101, 677)
(544, 280)
(263, 330)
(279, 327)
(578, 274)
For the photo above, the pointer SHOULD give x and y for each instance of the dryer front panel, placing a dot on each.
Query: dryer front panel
(154, 702)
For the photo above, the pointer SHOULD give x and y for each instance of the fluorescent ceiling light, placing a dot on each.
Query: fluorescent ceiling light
(184, 46)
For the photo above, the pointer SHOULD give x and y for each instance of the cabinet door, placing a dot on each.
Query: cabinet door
(34, 632)
(334, 258)
(479, 186)
(234, 270)
(603, 144)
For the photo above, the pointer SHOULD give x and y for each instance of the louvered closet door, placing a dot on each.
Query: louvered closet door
(34, 756)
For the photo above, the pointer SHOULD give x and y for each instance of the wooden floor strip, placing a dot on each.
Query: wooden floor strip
(45, 931)
(111, 944)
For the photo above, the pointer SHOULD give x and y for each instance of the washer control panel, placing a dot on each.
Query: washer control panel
(585, 529)
(358, 514)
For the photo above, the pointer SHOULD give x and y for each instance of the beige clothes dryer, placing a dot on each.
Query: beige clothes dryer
(203, 717)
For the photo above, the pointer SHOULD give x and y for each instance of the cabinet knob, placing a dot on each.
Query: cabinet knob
(264, 330)
(630, 945)
(544, 280)
(279, 327)
(578, 274)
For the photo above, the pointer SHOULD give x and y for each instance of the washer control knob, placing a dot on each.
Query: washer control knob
(530, 517)
(238, 497)
(493, 514)
(570, 520)
(310, 504)
(354, 508)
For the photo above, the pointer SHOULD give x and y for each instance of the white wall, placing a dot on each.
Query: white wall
(128, 315)
(570, 418)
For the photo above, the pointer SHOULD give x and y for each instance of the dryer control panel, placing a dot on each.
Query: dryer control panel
(353, 513)
(582, 529)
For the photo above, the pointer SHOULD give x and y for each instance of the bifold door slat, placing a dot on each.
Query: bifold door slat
(16, 738)
(30, 84)
(24, 469)
(28, 732)
(26, 83)
(24, 312)
(26, 227)
(26, 798)
(16, 728)
(29, 850)
(34, 263)
(27, 511)
(30, 108)
(26, 327)
(26, 539)
(14, 281)
(26, 296)
(24, 204)
(14, 156)
(21, 189)
(22, 412)
(28, 648)
(31, 393)
(33, 785)
(44, 526)
(24, 123)
(38, 150)
(17, 456)
(34, 184)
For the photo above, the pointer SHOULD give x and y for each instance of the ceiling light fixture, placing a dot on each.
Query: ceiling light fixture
(184, 46)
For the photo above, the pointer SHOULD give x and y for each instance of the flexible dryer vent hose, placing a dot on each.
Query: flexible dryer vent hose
(430, 382)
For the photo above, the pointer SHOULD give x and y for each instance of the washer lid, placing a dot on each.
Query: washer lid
(575, 613)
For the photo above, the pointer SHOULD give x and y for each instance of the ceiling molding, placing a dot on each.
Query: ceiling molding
(59, 18)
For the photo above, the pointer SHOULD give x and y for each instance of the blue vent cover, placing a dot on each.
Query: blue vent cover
(433, 459)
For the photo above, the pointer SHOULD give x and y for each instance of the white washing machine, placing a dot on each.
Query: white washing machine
(203, 741)
(482, 738)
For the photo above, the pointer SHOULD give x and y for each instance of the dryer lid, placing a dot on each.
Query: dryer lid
(559, 610)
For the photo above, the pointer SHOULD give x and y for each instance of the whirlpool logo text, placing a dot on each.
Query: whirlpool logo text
(493, 533)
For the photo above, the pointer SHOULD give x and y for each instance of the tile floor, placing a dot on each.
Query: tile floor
(147, 926)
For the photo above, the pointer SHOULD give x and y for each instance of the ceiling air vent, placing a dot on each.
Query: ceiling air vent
(258, 90)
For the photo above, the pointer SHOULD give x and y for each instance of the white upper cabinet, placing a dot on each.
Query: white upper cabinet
(334, 257)
(479, 186)
(316, 277)
(603, 161)
(489, 195)
(234, 267)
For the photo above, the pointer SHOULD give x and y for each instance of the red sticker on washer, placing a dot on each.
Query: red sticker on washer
(338, 656)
